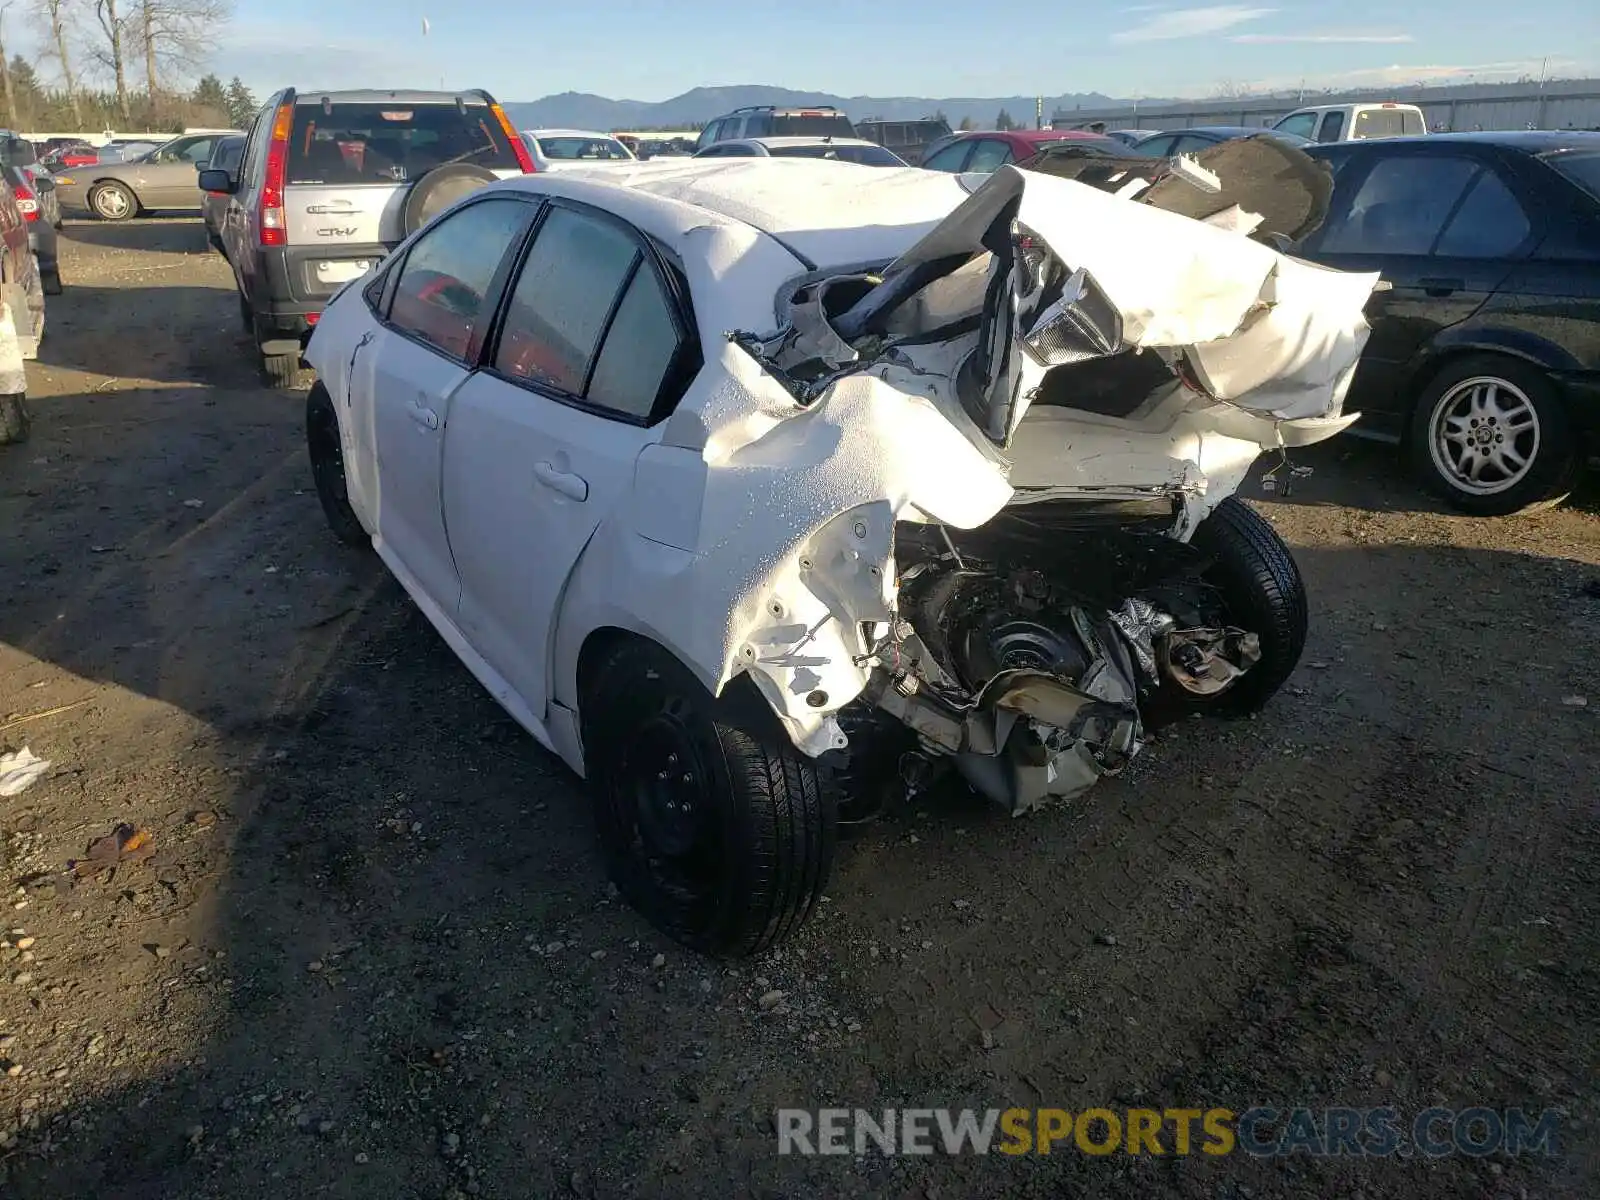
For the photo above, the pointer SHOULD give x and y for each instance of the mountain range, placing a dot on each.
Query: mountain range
(581, 110)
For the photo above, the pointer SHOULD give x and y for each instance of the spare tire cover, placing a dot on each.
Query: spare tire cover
(439, 189)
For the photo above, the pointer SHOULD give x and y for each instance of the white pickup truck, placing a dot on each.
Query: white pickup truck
(1354, 122)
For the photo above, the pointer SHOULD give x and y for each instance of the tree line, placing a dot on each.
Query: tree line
(116, 64)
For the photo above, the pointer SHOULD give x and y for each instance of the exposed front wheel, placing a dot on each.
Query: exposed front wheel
(1490, 436)
(113, 202)
(713, 825)
(326, 451)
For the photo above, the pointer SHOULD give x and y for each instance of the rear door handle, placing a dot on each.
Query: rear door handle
(1442, 287)
(423, 415)
(572, 486)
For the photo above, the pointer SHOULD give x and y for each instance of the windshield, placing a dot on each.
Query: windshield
(388, 143)
(869, 156)
(1580, 166)
(581, 148)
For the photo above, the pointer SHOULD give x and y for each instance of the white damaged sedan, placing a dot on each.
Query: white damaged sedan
(748, 488)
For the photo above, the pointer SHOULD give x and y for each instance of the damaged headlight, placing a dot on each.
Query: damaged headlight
(1081, 323)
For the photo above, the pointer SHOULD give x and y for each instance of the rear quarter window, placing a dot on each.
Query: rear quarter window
(391, 143)
(812, 126)
(1380, 122)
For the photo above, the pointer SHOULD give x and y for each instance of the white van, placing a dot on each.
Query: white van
(1354, 122)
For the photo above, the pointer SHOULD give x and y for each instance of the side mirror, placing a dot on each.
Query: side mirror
(218, 183)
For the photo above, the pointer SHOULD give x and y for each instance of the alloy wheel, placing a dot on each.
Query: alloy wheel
(1484, 435)
(112, 203)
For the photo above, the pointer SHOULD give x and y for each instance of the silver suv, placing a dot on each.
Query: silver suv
(766, 120)
(330, 182)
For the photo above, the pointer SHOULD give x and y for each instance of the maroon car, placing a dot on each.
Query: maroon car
(989, 150)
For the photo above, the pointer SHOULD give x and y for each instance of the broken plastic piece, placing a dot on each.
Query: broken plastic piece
(20, 770)
(1190, 171)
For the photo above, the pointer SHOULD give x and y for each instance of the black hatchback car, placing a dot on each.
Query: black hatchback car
(1484, 359)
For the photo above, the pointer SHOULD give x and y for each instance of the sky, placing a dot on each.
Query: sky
(634, 49)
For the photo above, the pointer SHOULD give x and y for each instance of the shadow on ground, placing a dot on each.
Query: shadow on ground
(412, 980)
(86, 334)
(163, 234)
(1372, 476)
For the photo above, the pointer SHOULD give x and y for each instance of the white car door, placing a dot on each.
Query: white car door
(594, 348)
(438, 309)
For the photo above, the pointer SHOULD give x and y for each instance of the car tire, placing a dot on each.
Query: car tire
(326, 451)
(15, 420)
(713, 825)
(247, 316)
(50, 280)
(1260, 589)
(281, 371)
(1503, 418)
(113, 202)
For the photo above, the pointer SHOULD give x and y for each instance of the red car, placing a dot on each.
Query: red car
(77, 154)
(989, 150)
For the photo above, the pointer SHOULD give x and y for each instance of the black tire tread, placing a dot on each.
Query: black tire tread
(1261, 582)
(341, 517)
(786, 806)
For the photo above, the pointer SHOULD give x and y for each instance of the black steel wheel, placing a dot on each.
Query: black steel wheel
(713, 825)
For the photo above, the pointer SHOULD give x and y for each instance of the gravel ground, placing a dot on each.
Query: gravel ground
(368, 949)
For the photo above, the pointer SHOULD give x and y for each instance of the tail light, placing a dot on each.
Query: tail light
(27, 202)
(518, 146)
(271, 221)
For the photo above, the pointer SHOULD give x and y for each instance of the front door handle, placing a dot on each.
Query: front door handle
(1442, 287)
(575, 487)
(423, 415)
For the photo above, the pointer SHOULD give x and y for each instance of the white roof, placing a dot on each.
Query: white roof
(833, 213)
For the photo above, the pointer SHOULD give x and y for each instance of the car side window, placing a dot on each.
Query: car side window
(1402, 205)
(1159, 147)
(1303, 124)
(1332, 127)
(950, 158)
(590, 318)
(442, 294)
(730, 128)
(1190, 144)
(758, 126)
(1490, 223)
(198, 150)
(563, 298)
(250, 166)
(639, 349)
(991, 154)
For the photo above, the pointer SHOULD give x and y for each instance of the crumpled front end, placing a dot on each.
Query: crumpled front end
(909, 505)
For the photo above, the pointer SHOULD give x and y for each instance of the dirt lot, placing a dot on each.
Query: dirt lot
(374, 954)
